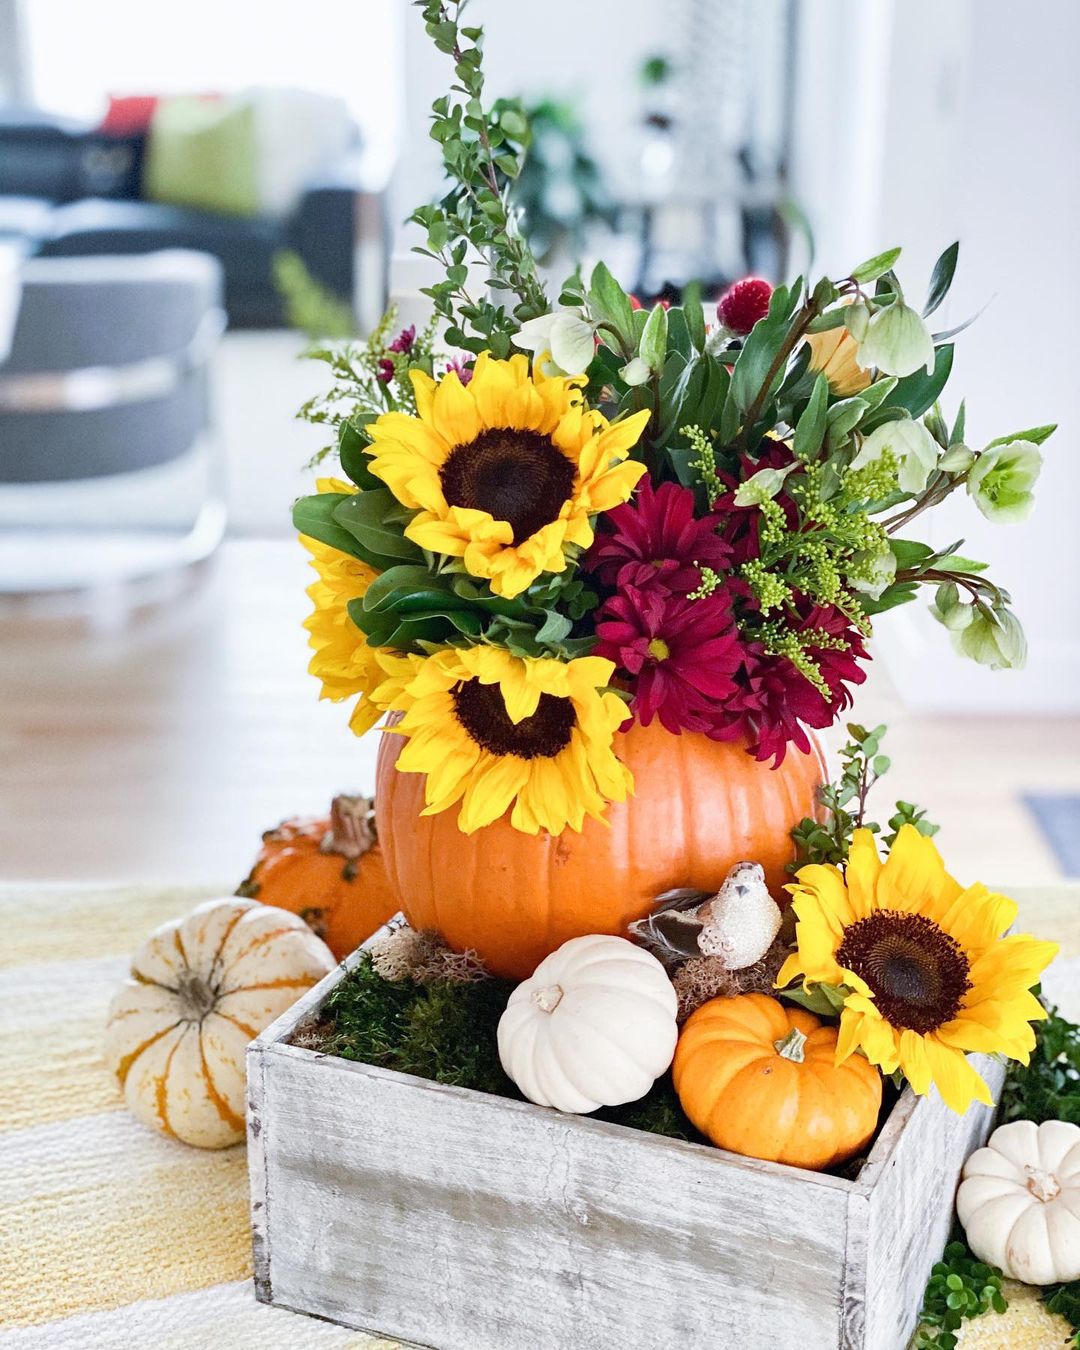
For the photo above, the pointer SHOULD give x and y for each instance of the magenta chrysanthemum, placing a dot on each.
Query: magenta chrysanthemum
(774, 702)
(657, 537)
(680, 654)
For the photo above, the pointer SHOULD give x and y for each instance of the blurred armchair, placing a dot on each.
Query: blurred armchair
(69, 190)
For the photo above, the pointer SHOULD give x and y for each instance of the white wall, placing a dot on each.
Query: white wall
(964, 122)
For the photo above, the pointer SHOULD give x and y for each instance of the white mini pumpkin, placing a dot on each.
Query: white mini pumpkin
(201, 988)
(1019, 1201)
(594, 1026)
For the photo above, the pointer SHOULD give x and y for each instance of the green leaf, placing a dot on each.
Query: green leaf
(757, 356)
(919, 392)
(1036, 435)
(810, 428)
(941, 279)
(695, 315)
(353, 454)
(367, 516)
(843, 418)
(653, 348)
(314, 516)
(876, 266)
(609, 304)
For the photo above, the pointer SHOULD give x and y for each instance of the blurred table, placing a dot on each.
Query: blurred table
(156, 745)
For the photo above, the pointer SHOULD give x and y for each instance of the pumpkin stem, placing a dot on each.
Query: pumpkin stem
(791, 1046)
(1043, 1186)
(352, 827)
(547, 1000)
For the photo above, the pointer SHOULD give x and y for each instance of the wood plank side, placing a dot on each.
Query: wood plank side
(256, 1153)
(911, 1199)
(458, 1220)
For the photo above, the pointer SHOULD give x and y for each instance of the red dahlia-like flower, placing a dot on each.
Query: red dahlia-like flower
(657, 538)
(681, 654)
(774, 702)
(744, 303)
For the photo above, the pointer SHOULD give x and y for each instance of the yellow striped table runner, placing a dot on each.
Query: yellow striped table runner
(113, 1236)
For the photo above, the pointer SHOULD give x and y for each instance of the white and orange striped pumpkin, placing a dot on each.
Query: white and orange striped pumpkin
(200, 989)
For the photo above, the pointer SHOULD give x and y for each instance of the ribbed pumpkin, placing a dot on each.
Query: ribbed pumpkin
(328, 870)
(699, 807)
(760, 1078)
(200, 989)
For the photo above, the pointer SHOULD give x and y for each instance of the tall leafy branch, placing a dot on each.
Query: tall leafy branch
(483, 150)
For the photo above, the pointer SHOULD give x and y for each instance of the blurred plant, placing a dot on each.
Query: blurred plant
(309, 305)
(560, 190)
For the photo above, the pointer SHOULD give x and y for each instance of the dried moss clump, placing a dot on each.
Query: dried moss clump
(447, 1031)
(443, 1030)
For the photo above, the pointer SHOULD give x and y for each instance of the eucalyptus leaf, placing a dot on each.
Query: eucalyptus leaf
(810, 428)
(920, 391)
(941, 279)
(876, 266)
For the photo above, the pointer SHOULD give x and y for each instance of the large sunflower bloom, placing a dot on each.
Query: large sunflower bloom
(931, 975)
(505, 472)
(343, 661)
(492, 730)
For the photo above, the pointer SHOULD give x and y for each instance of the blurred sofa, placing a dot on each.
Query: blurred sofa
(67, 189)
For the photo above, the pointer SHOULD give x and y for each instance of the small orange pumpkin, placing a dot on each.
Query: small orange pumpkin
(330, 871)
(759, 1078)
(699, 807)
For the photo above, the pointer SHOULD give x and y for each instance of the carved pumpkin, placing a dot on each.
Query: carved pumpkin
(699, 807)
(594, 1026)
(329, 871)
(200, 989)
(759, 1078)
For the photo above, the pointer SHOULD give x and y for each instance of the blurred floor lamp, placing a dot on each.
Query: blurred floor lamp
(109, 473)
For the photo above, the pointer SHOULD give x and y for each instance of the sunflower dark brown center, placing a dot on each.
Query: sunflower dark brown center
(481, 711)
(917, 972)
(516, 476)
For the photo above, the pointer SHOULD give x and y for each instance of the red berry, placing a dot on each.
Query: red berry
(744, 303)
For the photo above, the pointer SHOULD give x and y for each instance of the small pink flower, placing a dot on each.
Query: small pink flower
(456, 366)
(404, 340)
(744, 303)
(386, 370)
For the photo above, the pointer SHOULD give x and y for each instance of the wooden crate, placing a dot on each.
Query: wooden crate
(463, 1221)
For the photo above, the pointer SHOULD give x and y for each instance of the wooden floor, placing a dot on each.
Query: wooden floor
(157, 747)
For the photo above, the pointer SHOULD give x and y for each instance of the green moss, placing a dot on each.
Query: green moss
(448, 1032)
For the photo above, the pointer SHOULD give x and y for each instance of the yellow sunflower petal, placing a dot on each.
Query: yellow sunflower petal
(861, 873)
(954, 1078)
(454, 413)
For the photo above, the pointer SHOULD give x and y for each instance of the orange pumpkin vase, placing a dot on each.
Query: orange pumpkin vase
(699, 807)
(759, 1078)
(331, 871)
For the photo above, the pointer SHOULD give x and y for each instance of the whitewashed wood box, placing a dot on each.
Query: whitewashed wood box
(458, 1220)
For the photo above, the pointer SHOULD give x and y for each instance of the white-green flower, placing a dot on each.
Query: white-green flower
(897, 341)
(996, 642)
(761, 486)
(636, 371)
(873, 573)
(911, 445)
(565, 334)
(1001, 479)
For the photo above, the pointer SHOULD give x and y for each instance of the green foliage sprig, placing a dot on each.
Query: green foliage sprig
(1064, 1299)
(845, 802)
(960, 1287)
(483, 152)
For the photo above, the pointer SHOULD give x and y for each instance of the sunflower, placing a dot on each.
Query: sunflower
(492, 730)
(931, 976)
(343, 661)
(506, 472)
